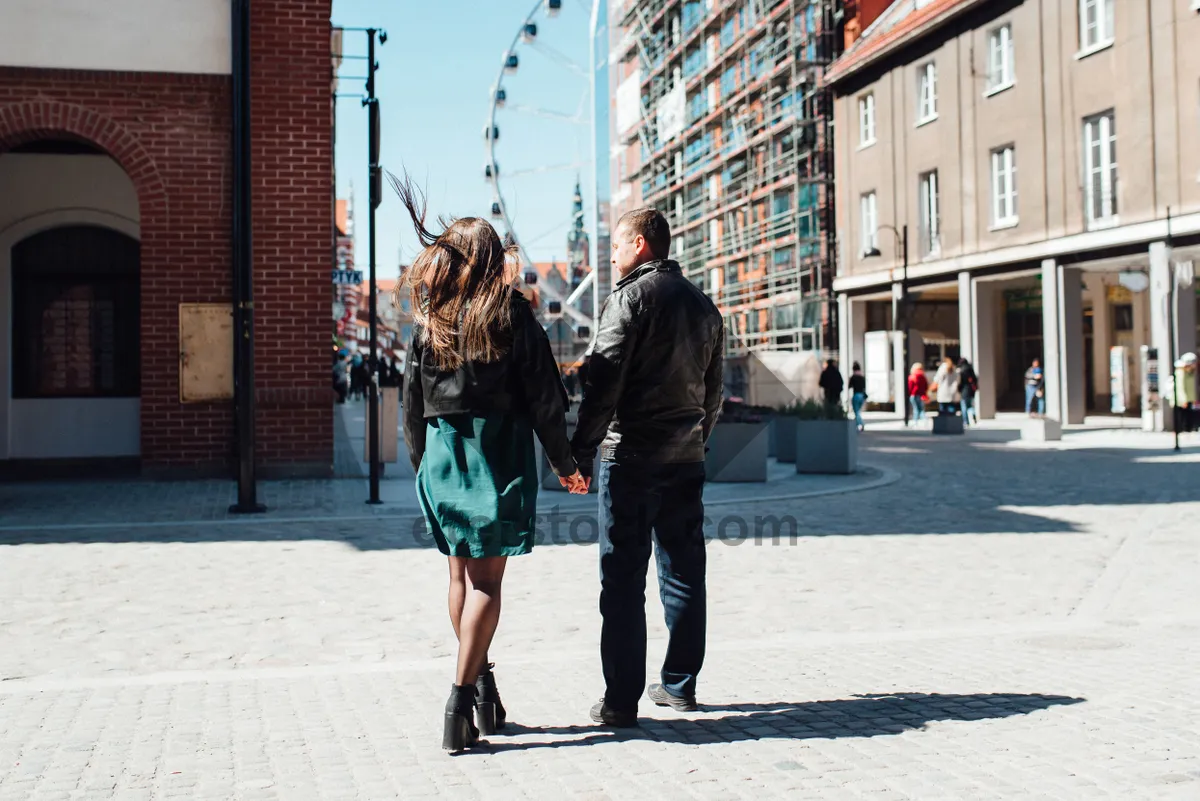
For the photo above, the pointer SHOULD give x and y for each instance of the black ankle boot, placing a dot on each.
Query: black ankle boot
(489, 712)
(459, 730)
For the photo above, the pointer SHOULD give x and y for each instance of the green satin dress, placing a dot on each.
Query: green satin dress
(478, 484)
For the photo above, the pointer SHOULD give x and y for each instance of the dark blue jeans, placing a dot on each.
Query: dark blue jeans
(638, 503)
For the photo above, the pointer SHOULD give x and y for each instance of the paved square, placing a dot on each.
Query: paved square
(993, 621)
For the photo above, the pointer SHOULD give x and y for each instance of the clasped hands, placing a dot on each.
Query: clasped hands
(576, 484)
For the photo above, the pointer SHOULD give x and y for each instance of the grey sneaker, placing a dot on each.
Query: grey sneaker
(661, 697)
(603, 713)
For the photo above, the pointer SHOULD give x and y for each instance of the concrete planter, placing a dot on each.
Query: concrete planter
(784, 438)
(826, 446)
(771, 438)
(947, 424)
(1041, 429)
(737, 452)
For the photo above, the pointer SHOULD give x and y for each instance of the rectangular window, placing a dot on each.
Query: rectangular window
(931, 242)
(866, 120)
(868, 222)
(926, 92)
(1000, 59)
(1096, 24)
(1004, 187)
(1100, 168)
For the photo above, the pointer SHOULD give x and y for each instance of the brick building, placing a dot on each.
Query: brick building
(116, 154)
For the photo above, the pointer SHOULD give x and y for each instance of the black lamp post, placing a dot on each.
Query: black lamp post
(902, 242)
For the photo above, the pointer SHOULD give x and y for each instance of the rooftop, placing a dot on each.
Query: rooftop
(903, 22)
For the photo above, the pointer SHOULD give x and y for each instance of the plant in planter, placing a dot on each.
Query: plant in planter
(737, 447)
(826, 440)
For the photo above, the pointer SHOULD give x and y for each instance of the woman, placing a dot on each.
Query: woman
(480, 379)
(945, 381)
(918, 385)
(858, 394)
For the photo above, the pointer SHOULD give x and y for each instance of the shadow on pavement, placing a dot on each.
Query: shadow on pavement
(872, 715)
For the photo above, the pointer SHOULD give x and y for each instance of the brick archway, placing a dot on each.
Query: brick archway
(30, 121)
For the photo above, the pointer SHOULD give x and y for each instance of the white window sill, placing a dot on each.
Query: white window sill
(995, 90)
(1103, 223)
(926, 121)
(865, 145)
(1096, 48)
(1004, 225)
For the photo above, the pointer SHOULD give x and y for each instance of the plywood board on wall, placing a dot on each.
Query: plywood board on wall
(205, 352)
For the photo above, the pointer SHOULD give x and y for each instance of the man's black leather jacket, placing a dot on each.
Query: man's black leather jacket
(524, 381)
(652, 386)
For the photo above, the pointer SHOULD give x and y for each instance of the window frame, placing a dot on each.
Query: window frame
(1105, 171)
(868, 235)
(107, 305)
(1008, 196)
(927, 108)
(1105, 11)
(929, 213)
(867, 133)
(997, 84)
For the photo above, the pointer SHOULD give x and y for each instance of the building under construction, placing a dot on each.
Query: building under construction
(721, 121)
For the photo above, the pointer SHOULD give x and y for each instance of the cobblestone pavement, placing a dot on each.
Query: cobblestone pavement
(996, 622)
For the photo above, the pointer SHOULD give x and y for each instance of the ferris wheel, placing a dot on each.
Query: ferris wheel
(550, 105)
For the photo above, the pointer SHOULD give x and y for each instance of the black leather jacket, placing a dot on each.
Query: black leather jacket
(525, 381)
(652, 388)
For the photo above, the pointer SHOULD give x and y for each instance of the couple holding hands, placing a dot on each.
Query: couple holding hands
(482, 381)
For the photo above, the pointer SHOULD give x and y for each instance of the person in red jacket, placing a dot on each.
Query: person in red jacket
(918, 386)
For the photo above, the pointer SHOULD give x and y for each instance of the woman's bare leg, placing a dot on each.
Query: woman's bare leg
(458, 594)
(480, 615)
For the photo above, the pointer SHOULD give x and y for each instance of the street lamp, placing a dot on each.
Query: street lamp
(902, 242)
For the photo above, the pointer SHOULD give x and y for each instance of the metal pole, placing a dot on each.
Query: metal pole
(373, 363)
(904, 308)
(243, 267)
(1172, 300)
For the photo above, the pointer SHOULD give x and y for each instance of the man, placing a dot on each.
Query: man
(652, 393)
(831, 383)
(1035, 389)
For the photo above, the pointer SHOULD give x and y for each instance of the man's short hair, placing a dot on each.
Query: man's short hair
(651, 225)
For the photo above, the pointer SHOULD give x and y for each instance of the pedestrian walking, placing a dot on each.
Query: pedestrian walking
(1035, 390)
(945, 384)
(1185, 392)
(569, 380)
(968, 388)
(341, 377)
(358, 376)
(385, 372)
(657, 358)
(481, 381)
(918, 386)
(858, 394)
(831, 383)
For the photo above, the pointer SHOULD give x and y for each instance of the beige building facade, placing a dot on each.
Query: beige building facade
(1037, 157)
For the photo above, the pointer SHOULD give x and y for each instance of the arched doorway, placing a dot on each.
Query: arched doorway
(70, 306)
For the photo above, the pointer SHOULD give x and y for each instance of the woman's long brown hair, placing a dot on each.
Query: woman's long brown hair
(458, 284)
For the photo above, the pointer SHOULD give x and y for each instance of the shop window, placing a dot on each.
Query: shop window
(76, 314)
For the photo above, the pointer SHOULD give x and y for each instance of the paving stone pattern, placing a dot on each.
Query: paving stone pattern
(997, 622)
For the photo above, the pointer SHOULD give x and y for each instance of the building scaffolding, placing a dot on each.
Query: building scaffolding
(736, 148)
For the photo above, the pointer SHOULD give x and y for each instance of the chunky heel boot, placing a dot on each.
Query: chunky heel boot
(489, 712)
(459, 730)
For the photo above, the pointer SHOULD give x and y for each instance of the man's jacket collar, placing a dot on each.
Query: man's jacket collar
(647, 268)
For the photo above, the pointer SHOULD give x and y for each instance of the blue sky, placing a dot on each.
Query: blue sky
(436, 71)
